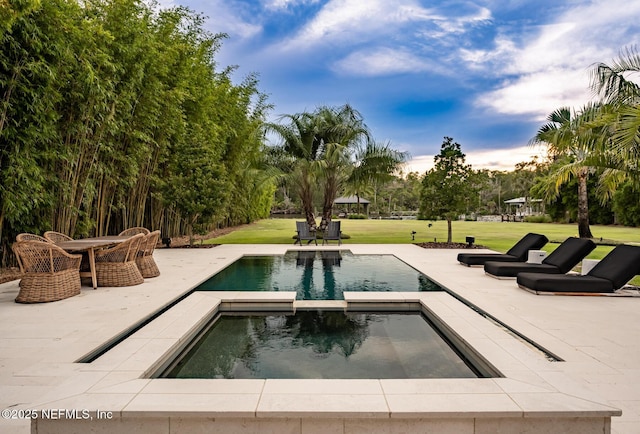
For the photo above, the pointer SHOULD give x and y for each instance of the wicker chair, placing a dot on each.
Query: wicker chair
(31, 237)
(134, 231)
(144, 260)
(28, 237)
(56, 237)
(50, 273)
(116, 266)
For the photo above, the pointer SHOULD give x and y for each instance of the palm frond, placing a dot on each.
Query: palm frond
(610, 83)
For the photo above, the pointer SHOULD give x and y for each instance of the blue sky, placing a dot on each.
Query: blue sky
(483, 72)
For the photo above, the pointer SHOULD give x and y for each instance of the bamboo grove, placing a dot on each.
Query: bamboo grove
(113, 114)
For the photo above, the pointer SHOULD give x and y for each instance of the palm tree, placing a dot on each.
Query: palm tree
(342, 131)
(572, 135)
(326, 147)
(613, 84)
(374, 164)
(300, 144)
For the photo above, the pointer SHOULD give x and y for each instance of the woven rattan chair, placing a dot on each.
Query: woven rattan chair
(116, 266)
(28, 237)
(56, 237)
(134, 231)
(50, 273)
(144, 260)
(31, 237)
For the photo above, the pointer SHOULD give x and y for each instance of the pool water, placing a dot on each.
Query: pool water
(321, 344)
(319, 275)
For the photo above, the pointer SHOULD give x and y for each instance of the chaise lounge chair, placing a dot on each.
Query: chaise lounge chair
(560, 261)
(609, 275)
(518, 253)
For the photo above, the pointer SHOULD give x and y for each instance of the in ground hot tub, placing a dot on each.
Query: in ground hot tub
(323, 344)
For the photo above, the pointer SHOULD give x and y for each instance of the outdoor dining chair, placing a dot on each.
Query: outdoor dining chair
(116, 265)
(49, 273)
(305, 234)
(332, 232)
(144, 259)
(56, 237)
(134, 231)
(31, 237)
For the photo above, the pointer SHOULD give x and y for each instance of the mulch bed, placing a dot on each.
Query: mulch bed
(432, 245)
(189, 246)
(183, 242)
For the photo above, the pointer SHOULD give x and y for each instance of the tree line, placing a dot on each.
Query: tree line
(595, 146)
(114, 113)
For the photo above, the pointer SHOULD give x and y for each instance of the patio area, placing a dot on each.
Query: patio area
(597, 337)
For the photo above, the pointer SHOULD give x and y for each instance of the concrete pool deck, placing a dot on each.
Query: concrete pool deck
(597, 337)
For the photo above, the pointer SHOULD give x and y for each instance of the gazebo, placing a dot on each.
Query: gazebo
(524, 206)
(340, 202)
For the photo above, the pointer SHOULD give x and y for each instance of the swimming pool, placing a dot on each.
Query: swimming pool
(322, 344)
(319, 275)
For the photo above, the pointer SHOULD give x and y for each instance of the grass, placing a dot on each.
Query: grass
(499, 236)
(495, 235)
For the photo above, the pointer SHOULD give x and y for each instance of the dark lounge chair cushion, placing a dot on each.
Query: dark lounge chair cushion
(619, 266)
(560, 261)
(530, 241)
(517, 253)
(563, 283)
(482, 258)
(511, 269)
(570, 253)
(611, 273)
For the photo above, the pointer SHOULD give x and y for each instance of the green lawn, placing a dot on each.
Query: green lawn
(494, 235)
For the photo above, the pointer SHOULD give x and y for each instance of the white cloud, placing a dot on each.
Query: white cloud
(224, 17)
(350, 21)
(497, 159)
(382, 61)
(353, 21)
(551, 69)
(459, 24)
(540, 93)
(284, 4)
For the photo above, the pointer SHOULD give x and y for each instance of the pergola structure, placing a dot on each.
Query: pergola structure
(340, 202)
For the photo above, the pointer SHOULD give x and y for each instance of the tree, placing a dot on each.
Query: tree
(342, 132)
(626, 205)
(446, 187)
(302, 151)
(101, 101)
(329, 150)
(564, 206)
(571, 134)
(375, 164)
(620, 153)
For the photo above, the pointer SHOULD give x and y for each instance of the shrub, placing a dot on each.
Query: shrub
(357, 216)
(543, 218)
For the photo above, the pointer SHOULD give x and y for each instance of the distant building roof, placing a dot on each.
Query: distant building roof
(521, 200)
(349, 199)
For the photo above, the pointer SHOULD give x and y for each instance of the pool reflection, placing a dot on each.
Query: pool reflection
(319, 275)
